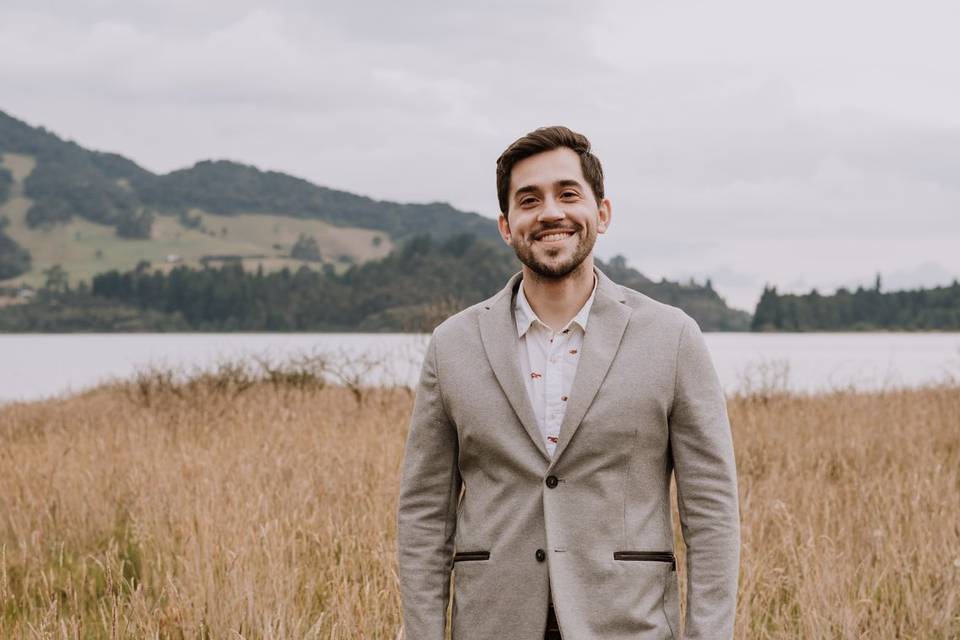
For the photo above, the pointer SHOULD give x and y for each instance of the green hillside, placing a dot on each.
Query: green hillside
(91, 212)
(225, 246)
(229, 188)
(85, 248)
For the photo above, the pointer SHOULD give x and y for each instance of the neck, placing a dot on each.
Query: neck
(557, 300)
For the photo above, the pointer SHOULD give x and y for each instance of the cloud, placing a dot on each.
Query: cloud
(815, 141)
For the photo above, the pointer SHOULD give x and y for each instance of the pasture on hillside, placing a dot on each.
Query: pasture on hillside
(86, 248)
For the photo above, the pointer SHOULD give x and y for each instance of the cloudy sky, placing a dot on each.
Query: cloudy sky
(809, 144)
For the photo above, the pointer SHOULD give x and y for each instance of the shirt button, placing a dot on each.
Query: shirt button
(552, 482)
(540, 555)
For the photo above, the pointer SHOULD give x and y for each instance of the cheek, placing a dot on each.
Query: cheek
(517, 230)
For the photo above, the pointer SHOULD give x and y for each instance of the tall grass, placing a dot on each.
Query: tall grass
(238, 505)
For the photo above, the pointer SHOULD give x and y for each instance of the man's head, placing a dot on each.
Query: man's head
(552, 204)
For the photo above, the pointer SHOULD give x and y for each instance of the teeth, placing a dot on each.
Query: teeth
(554, 236)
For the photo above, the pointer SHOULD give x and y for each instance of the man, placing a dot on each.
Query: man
(547, 424)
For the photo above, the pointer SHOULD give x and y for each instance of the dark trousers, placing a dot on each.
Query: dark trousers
(553, 629)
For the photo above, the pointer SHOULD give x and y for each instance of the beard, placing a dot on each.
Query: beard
(555, 269)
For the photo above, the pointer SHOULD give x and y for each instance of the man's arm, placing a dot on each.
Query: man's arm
(427, 509)
(706, 478)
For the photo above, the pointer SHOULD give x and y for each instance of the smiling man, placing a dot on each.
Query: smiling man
(548, 423)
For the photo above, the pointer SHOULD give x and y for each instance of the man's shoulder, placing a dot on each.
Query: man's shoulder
(460, 322)
(465, 323)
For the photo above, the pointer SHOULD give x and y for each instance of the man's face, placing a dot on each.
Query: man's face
(553, 218)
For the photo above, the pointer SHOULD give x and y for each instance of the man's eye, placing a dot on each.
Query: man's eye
(527, 201)
(569, 194)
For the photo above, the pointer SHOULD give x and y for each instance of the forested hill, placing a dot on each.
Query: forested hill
(412, 289)
(936, 309)
(64, 182)
(229, 188)
(69, 180)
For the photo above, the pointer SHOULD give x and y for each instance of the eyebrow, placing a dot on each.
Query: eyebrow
(522, 191)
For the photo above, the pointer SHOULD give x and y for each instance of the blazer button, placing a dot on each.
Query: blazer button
(551, 482)
(540, 555)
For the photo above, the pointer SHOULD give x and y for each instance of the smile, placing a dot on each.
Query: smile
(554, 236)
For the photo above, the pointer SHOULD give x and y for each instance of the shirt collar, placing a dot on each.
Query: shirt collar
(525, 315)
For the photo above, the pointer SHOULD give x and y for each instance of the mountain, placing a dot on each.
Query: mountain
(230, 188)
(224, 246)
(92, 211)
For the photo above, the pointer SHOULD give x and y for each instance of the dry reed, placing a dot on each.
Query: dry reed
(231, 507)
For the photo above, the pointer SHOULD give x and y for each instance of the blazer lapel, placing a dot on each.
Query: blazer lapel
(498, 331)
(605, 326)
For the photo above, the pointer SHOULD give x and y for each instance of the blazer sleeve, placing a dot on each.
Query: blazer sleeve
(706, 477)
(427, 507)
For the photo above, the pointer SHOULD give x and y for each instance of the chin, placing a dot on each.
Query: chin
(554, 269)
(553, 263)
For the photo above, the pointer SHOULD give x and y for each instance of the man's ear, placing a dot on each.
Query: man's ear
(504, 227)
(604, 215)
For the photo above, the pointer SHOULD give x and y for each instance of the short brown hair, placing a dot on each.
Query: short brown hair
(548, 139)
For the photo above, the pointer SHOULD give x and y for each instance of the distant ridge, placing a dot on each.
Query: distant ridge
(222, 186)
(256, 250)
(108, 188)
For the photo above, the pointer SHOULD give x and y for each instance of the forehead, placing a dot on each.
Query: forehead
(547, 168)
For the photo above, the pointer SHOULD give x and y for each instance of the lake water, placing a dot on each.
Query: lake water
(34, 366)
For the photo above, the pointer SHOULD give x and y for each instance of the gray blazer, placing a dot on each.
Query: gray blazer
(591, 527)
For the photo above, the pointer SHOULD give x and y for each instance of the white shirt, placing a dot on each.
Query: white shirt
(548, 362)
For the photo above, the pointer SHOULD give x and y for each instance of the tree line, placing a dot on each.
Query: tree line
(412, 289)
(860, 310)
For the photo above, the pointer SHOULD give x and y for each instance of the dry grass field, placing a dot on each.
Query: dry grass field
(224, 508)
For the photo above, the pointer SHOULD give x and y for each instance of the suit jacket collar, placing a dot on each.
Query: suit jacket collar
(498, 331)
(609, 317)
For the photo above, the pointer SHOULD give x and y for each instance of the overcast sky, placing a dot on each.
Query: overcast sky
(809, 144)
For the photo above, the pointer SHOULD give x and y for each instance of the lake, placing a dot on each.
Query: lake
(35, 366)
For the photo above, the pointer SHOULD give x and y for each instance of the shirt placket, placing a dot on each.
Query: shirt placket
(553, 390)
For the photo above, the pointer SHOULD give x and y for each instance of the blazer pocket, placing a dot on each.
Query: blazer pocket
(647, 556)
(471, 556)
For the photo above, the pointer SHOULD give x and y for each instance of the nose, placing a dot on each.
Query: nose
(551, 211)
